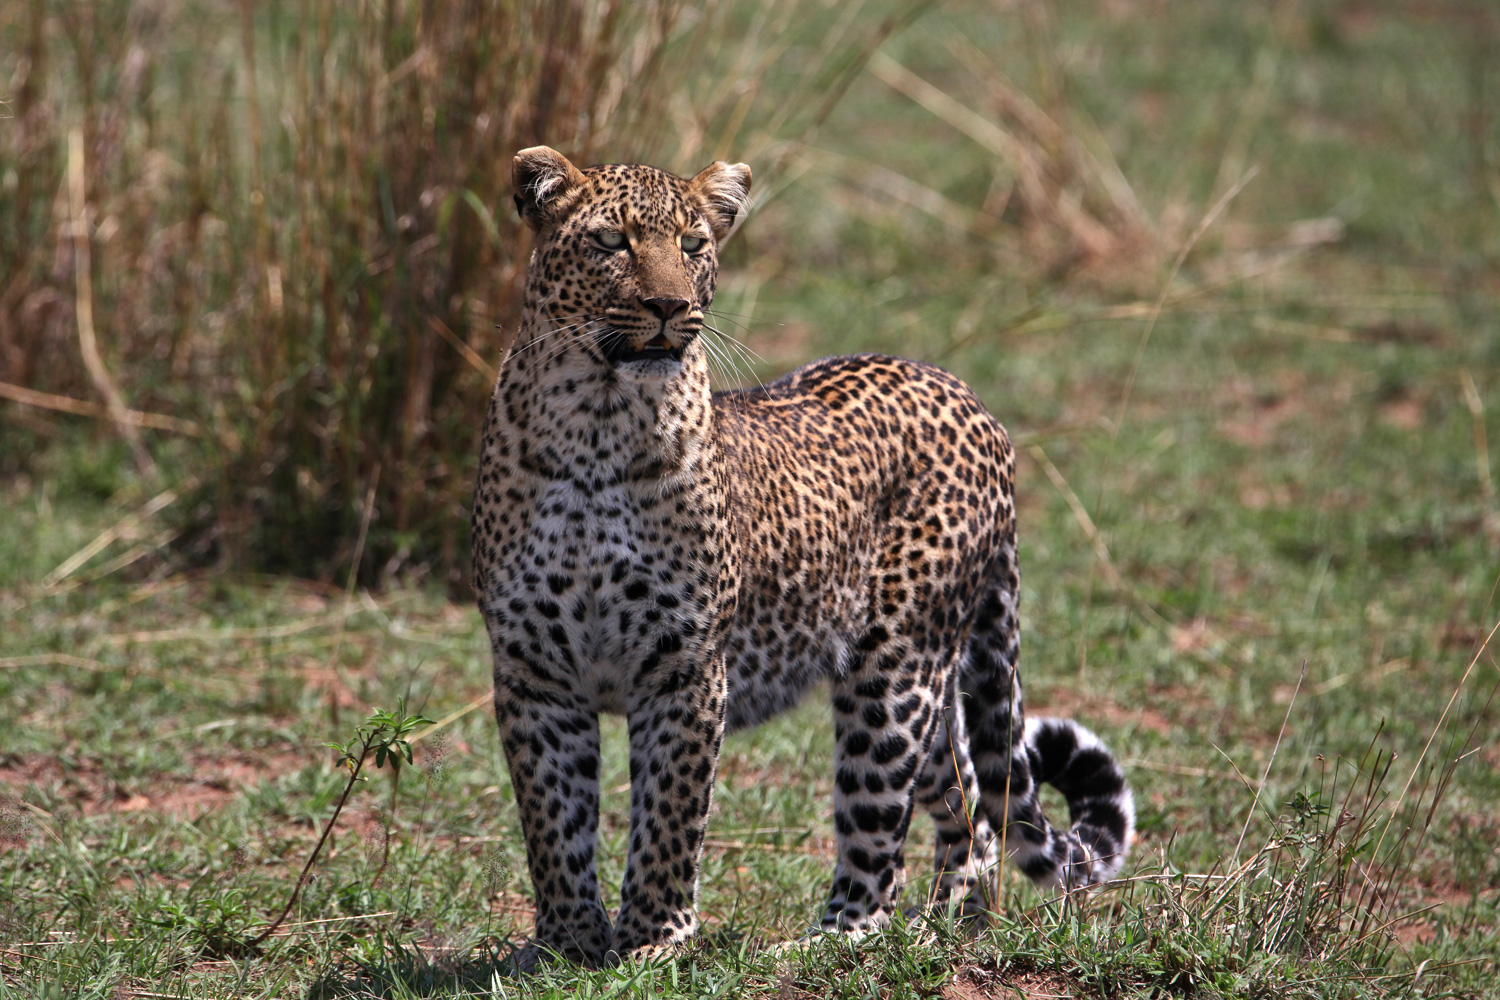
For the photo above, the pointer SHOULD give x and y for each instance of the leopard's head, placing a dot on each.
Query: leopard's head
(626, 256)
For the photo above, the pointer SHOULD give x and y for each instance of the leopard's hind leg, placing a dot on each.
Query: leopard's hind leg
(964, 856)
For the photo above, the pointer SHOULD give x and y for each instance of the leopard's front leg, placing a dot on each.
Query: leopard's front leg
(676, 730)
(553, 753)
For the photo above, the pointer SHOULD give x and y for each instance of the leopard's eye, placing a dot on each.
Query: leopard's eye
(610, 240)
(692, 244)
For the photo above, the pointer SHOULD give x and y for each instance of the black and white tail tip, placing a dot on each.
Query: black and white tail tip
(1101, 809)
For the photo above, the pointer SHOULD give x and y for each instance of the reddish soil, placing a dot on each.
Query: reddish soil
(975, 983)
(214, 781)
(1094, 709)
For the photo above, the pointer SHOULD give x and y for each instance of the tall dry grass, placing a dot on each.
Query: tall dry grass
(290, 235)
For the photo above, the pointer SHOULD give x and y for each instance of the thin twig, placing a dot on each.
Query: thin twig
(1396, 808)
(1104, 560)
(83, 289)
(1208, 220)
(487, 698)
(1080, 514)
(317, 848)
(353, 579)
(1030, 173)
(125, 526)
(50, 659)
(469, 354)
(815, 848)
(1186, 770)
(130, 556)
(286, 929)
(1475, 403)
(85, 408)
(233, 633)
(1250, 813)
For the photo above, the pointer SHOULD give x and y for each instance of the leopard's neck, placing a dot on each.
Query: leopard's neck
(567, 415)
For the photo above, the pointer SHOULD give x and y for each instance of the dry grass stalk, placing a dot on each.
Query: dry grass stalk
(84, 408)
(88, 344)
(127, 527)
(1475, 404)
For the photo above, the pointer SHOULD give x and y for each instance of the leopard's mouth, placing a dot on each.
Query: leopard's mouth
(658, 348)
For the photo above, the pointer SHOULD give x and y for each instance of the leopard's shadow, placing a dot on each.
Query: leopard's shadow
(414, 971)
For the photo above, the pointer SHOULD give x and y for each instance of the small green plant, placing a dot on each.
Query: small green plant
(384, 735)
(214, 921)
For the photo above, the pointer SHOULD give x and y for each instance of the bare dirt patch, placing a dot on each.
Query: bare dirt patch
(215, 780)
(1257, 494)
(1254, 413)
(1405, 413)
(1071, 703)
(1255, 426)
(976, 983)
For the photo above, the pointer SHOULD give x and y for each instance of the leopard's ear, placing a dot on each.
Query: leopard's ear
(542, 176)
(723, 191)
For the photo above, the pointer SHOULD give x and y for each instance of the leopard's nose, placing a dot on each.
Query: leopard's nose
(665, 307)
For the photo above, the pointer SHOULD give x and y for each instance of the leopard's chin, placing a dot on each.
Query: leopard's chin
(650, 367)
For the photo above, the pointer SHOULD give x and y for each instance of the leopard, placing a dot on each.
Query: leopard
(698, 561)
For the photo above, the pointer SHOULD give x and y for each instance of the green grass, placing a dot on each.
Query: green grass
(1300, 470)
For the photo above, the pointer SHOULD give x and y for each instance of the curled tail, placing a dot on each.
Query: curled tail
(1101, 810)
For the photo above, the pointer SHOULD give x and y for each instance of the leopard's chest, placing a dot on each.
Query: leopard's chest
(596, 581)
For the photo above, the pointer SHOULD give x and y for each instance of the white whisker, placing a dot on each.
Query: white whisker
(746, 359)
(577, 334)
(716, 362)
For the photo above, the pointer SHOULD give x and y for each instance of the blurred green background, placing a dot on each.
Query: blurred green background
(1229, 272)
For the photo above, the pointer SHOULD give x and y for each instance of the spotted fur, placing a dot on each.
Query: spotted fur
(697, 561)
